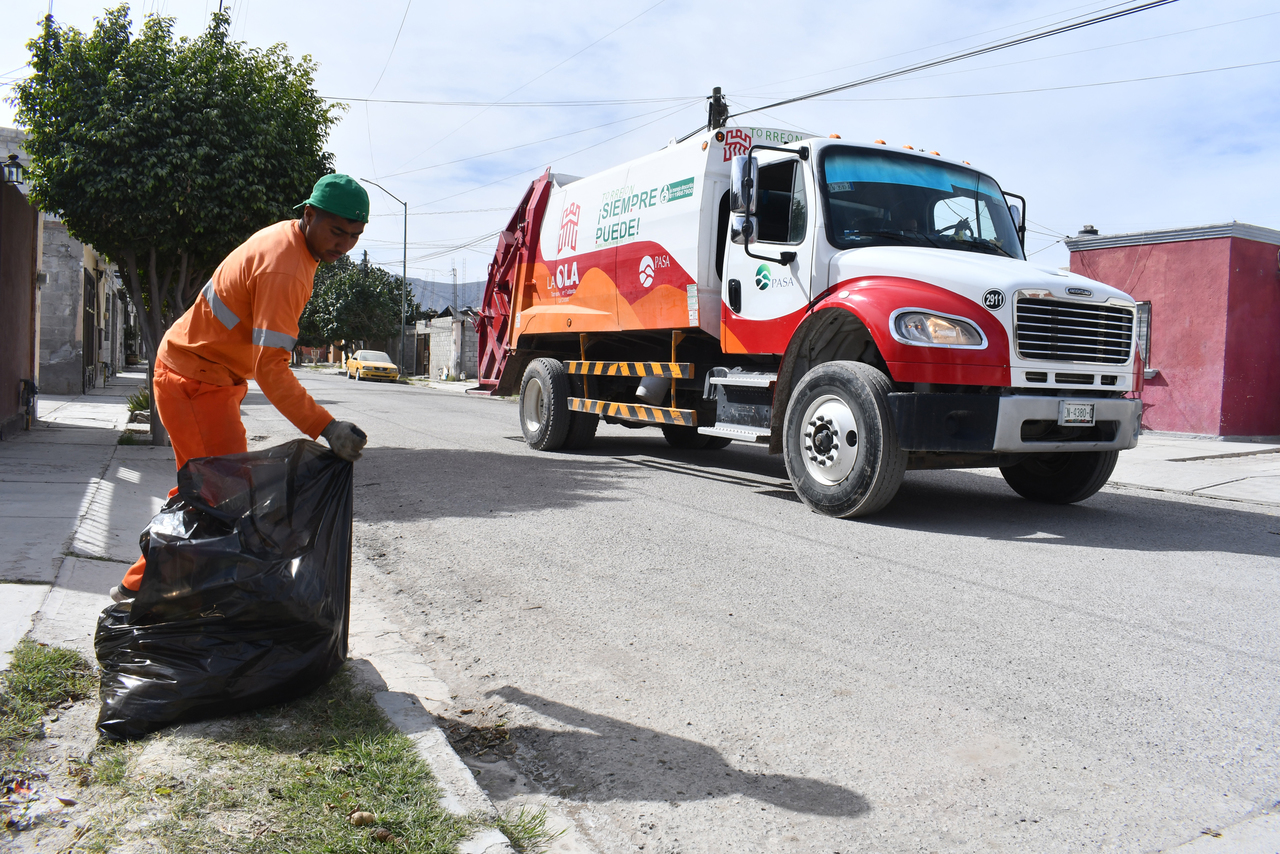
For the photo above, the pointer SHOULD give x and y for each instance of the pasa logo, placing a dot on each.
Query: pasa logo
(646, 271)
(763, 277)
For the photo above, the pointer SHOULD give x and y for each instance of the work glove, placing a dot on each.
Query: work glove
(345, 439)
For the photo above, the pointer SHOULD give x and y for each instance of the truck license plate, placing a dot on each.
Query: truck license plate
(1072, 414)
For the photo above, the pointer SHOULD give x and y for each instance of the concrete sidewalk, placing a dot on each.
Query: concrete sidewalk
(75, 502)
(59, 497)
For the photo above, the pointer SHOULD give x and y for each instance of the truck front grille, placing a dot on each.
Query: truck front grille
(1072, 332)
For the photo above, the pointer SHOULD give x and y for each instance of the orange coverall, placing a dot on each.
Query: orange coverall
(242, 327)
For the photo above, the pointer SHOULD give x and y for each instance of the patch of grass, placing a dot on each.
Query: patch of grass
(39, 677)
(131, 438)
(527, 831)
(282, 779)
(140, 401)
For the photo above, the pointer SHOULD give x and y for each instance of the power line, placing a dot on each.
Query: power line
(527, 144)
(530, 83)
(391, 52)
(1074, 52)
(1058, 88)
(602, 102)
(442, 213)
(458, 248)
(570, 154)
(919, 49)
(968, 54)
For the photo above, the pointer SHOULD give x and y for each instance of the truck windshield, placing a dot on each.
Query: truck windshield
(882, 198)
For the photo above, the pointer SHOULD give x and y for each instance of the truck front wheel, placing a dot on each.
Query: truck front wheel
(839, 441)
(1061, 478)
(544, 404)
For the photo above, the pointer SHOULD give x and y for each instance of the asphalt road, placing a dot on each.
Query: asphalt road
(690, 661)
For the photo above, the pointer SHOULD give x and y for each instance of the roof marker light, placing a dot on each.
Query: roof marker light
(908, 148)
(936, 153)
(879, 142)
(833, 136)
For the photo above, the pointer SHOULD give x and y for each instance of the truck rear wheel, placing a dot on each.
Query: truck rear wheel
(544, 405)
(839, 441)
(582, 431)
(1061, 478)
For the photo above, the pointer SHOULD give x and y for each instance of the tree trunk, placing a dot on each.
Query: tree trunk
(159, 300)
(159, 435)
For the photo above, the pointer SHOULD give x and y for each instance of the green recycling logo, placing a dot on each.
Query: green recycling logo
(763, 278)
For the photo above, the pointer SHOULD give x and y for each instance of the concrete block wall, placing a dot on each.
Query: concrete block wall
(62, 312)
(441, 340)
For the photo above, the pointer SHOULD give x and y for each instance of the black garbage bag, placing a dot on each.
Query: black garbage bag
(244, 600)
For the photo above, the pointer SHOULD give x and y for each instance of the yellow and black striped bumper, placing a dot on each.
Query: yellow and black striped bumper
(635, 412)
(673, 370)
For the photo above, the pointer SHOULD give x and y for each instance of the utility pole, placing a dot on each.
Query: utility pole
(455, 344)
(717, 110)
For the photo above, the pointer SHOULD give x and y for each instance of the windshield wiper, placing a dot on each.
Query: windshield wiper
(982, 245)
(905, 236)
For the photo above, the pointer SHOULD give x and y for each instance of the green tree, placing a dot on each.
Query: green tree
(166, 154)
(353, 302)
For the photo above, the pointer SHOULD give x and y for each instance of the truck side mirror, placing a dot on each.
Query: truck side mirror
(742, 184)
(1016, 213)
(743, 229)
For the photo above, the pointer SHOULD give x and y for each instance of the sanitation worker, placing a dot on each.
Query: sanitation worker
(244, 326)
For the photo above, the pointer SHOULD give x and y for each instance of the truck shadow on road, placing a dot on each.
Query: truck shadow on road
(966, 504)
(981, 506)
(400, 484)
(619, 760)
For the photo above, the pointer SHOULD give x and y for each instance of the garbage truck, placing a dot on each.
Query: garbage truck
(860, 308)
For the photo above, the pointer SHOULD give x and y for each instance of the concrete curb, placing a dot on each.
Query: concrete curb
(1196, 494)
(407, 691)
(462, 795)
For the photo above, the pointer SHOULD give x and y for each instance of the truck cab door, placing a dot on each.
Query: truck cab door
(764, 299)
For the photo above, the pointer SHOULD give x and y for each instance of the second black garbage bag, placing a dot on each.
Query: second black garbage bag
(245, 597)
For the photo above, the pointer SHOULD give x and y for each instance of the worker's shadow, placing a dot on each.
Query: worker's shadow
(609, 759)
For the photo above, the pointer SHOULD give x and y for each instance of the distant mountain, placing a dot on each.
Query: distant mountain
(438, 295)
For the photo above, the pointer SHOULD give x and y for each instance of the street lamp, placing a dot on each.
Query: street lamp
(404, 275)
(13, 170)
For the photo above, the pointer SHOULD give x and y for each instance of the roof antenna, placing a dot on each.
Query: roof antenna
(717, 110)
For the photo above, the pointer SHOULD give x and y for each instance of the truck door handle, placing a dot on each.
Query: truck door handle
(735, 296)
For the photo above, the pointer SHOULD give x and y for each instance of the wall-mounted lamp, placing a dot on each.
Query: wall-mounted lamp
(13, 170)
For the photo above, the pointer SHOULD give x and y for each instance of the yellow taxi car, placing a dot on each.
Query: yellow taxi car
(372, 365)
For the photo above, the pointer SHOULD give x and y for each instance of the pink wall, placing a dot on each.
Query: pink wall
(1251, 386)
(1215, 325)
(1187, 285)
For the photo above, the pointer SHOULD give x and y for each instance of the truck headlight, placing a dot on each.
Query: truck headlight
(926, 329)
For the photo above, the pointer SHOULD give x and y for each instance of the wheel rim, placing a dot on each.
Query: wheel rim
(533, 406)
(830, 440)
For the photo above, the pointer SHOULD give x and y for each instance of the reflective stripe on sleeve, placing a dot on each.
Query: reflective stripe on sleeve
(271, 338)
(225, 316)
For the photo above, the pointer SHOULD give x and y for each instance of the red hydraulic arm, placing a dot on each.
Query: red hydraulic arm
(510, 272)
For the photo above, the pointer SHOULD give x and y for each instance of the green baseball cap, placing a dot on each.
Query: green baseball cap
(341, 195)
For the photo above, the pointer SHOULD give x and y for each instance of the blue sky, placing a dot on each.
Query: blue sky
(1173, 151)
